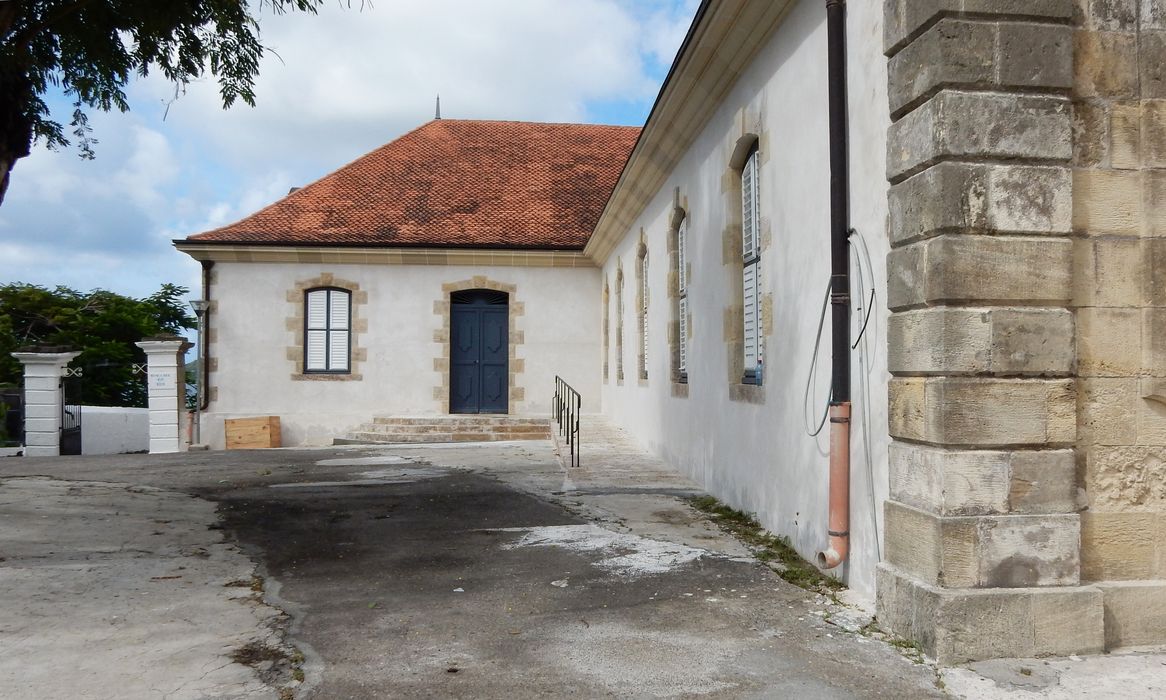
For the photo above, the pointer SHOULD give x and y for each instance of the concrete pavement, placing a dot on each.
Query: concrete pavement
(429, 571)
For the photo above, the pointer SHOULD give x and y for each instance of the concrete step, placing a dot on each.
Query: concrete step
(433, 429)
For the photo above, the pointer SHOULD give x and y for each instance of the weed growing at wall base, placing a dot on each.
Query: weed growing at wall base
(766, 546)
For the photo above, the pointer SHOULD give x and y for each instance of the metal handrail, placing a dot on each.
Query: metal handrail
(566, 408)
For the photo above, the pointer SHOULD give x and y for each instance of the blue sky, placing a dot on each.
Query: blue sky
(343, 83)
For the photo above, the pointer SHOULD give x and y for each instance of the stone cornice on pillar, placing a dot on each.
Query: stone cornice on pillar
(54, 359)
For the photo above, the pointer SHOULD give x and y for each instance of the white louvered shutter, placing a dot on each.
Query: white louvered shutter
(338, 331)
(751, 257)
(644, 309)
(316, 350)
(682, 290)
(750, 319)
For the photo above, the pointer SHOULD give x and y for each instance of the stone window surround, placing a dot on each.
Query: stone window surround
(294, 324)
(606, 327)
(733, 322)
(619, 312)
(679, 215)
(516, 366)
(643, 297)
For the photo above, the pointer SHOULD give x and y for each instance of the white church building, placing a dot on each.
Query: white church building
(677, 275)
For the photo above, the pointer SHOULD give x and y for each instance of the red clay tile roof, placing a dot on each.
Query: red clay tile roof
(454, 183)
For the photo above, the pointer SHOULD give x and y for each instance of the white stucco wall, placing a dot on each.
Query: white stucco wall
(250, 336)
(758, 457)
(114, 431)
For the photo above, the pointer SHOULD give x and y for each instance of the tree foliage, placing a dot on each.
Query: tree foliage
(90, 49)
(103, 325)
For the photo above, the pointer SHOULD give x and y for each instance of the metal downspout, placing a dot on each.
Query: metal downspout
(839, 519)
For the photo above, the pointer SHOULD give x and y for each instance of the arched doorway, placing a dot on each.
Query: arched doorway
(479, 351)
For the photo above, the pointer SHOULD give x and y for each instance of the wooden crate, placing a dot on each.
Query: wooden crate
(249, 433)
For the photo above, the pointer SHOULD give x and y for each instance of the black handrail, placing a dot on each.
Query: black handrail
(567, 406)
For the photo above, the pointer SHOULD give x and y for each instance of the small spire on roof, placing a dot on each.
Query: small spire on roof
(437, 114)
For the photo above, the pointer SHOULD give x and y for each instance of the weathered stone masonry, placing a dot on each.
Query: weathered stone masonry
(983, 530)
(1119, 294)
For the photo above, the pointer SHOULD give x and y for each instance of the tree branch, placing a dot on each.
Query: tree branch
(22, 39)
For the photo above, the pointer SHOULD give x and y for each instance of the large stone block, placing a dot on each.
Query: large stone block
(1106, 64)
(1153, 204)
(1111, 272)
(976, 198)
(1109, 342)
(1123, 546)
(1090, 135)
(955, 52)
(1152, 63)
(1135, 613)
(1112, 15)
(1151, 411)
(962, 625)
(1125, 130)
(1126, 478)
(1153, 14)
(1107, 408)
(975, 412)
(982, 482)
(996, 551)
(1107, 202)
(904, 19)
(958, 125)
(962, 340)
(968, 269)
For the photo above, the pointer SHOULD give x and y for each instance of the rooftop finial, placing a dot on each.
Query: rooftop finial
(437, 114)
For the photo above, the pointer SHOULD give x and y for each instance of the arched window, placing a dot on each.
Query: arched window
(606, 327)
(327, 330)
(751, 269)
(618, 323)
(642, 307)
(682, 298)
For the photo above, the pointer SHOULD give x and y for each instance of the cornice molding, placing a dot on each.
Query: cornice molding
(383, 256)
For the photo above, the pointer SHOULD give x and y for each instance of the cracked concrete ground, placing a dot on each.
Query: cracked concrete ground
(411, 571)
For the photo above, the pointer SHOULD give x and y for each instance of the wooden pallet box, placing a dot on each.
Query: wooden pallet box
(251, 433)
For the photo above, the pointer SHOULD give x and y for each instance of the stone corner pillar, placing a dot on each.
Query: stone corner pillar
(983, 530)
(42, 400)
(166, 384)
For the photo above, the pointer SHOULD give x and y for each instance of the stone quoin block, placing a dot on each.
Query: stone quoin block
(1115, 272)
(1001, 55)
(982, 482)
(1135, 612)
(975, 198)
(961, 340)
(968, 269)
(1123, 546)
(975, 412)
(905, 18)
(1125, 130)
(1152, 63)
(1107, 411)
(1107, 202)
(960, 625)
(994, 551)
(1106, 64)
(959, 125)
(1109, 342)
(1090, 134)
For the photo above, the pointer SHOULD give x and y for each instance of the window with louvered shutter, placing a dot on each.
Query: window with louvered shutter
(644, 315)
(327, 332)
(751, 268)
(682, 292)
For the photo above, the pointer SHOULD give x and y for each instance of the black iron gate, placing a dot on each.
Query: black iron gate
(11, 417)
(71, 412)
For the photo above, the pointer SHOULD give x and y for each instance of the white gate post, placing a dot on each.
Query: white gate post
(166, 382)
(42, 400)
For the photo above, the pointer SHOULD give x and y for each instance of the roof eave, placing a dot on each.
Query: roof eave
(699, 79)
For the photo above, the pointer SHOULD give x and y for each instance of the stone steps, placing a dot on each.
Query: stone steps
(434, 429)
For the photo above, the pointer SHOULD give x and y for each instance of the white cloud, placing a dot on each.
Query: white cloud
(343, 82)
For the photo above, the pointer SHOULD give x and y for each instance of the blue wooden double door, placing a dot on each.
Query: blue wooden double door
(479, 352)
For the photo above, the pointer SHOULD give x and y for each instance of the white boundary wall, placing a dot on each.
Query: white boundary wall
(110, 431)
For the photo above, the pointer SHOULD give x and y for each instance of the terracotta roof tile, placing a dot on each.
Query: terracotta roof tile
(455, 183)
